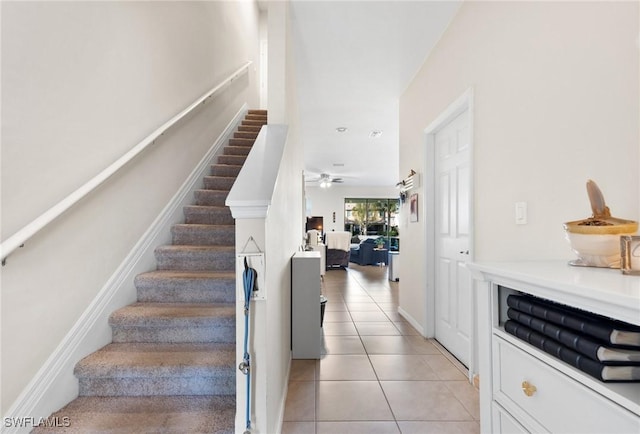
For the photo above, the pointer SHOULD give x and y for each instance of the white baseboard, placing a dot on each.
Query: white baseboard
(54, 385)
(283, 400)
(411, 320)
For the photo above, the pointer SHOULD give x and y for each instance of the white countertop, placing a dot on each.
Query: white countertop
(307, 254)
(601, 290)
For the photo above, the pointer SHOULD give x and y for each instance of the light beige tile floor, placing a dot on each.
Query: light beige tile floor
(377, 375)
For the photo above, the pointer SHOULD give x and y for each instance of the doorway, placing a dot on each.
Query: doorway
(449, 228)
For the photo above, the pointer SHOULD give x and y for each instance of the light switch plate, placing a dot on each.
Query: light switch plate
(521, 213)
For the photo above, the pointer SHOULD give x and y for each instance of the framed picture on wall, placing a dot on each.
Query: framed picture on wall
(413, 207)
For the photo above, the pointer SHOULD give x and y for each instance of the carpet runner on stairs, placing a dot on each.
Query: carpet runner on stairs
(171, 365)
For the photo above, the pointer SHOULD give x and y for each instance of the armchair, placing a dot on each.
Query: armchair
(364, 254)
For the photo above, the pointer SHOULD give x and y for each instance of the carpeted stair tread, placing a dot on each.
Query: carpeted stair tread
(148, 369)
(232, 178)
(256, 117)
(174, 314)
(158, 277)
(148, 414)
(246, 142)
(236, 150)
(252, 122)
(127, 360)
(195, 258)
(170, 286)
(225, 170)
(245, 135)
(237, 160)
(219, 182)
(209, 208)
(174, 323)
(210, 197)
(208, 215)
(262, 112)
(203, 235)
(250, 128)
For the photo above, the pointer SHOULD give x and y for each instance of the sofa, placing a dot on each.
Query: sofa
(364, 254)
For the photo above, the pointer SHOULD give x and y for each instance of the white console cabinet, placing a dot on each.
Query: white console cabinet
(323, 256)
(306, 334)
(523, 389)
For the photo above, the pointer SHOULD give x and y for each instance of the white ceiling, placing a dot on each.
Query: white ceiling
(353, 61)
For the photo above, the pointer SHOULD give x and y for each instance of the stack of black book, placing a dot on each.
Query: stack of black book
(604, 348)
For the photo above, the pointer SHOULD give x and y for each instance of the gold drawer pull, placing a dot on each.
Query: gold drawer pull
(528, 388)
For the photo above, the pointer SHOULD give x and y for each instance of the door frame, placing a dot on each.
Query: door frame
(462, 103)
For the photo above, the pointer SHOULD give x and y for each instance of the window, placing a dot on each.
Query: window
(371, 217)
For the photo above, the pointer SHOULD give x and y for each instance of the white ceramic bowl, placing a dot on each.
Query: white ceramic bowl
(596, 250)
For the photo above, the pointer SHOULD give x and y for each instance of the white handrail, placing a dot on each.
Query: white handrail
(19, 238)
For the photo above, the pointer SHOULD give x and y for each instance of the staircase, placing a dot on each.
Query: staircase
(171, 365)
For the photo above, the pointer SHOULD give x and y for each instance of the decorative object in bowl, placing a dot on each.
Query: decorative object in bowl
(596, 240)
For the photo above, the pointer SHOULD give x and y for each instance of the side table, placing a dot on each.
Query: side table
(380, 256)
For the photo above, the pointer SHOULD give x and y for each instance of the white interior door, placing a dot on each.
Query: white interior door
(453, 314)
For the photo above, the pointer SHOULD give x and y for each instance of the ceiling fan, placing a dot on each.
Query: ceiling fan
(325, 180)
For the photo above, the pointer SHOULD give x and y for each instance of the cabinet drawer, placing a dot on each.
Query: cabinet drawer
(557, 402)
(504, 423)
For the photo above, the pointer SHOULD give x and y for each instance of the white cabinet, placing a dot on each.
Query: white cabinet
(523, 389)
(320, 247)
(306, 334)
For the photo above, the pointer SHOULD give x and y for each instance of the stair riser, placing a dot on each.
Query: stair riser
(218, 333)
(208, 216)
(195, 385)
(195, 260)
(187, 235)
(210, 197)
(218, 183)
(225, 170)
(223, 293)
(236, 150)
(245, 135)
(235, 160)
(177, 289)
(259, 118)
(249, 128)
(242, 142)
(254, 123)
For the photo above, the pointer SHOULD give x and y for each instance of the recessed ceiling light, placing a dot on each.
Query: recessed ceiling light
(341, 129)
(375, 133)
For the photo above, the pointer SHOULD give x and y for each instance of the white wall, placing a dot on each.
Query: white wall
(82, 83)
(326, 201)
(277, 230)
(285, 221)
(556, 99)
